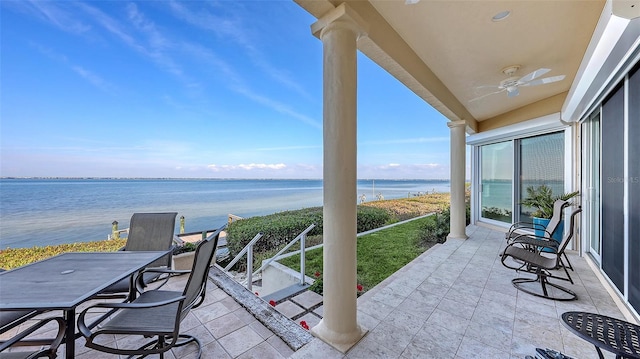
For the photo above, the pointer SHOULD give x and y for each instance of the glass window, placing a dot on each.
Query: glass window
(497, 181)
(508, 168)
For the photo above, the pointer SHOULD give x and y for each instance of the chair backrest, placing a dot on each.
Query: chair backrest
(152, 232)
(197, 282)
(572, 229)
(556, 218)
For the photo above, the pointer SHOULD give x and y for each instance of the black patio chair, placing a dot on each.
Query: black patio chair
(155, 313)
(519, 228)
(147, 232)
(527, 253)
(20, 339)
(10, 319)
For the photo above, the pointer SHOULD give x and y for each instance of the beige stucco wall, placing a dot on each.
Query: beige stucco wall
(538, 109)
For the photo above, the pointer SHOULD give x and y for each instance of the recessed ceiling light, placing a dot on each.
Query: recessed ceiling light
(501, 15)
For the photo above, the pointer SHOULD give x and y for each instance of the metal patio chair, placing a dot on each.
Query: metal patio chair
(155, 313)
(147, 232)
(20, 339)
(520, 228)
(527, 253)
(10, 319)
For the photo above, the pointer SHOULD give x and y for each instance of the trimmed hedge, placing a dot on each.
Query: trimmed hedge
(279, 228)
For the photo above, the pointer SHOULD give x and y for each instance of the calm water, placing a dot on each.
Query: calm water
(54, 211)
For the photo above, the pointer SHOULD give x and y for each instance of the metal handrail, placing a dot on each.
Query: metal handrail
(302, 238)
(243, 251)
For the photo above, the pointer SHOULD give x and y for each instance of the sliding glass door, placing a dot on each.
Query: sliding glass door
(613, 188)
(508, 168)
(591, 185)
(496, 181)
(541, 163)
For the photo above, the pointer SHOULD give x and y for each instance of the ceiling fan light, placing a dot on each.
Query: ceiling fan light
(501, 16)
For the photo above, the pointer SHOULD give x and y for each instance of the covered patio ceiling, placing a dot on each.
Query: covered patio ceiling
(452, 53)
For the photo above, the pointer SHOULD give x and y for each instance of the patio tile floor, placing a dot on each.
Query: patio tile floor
(457, 301)
(454, 301)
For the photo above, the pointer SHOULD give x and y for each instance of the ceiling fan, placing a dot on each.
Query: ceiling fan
(512, 83)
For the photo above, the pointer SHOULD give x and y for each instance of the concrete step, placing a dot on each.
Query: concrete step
(285, 293)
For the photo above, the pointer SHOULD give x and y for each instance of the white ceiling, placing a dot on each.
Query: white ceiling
(461, 45)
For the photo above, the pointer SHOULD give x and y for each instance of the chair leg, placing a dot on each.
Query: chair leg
(156, 343)
(188, 339)
(568, 262)
(518, 283)
(566, 271)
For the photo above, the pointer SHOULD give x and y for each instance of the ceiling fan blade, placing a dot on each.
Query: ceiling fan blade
(546, 80)
(513, 93)
(486, 86)
(485, 95)
(537, 73)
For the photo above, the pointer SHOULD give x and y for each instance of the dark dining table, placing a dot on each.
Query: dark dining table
(64, 281)
(615, 335)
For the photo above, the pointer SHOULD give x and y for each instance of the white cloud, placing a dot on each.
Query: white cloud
(278, 106)
(94, 79)
(52, 12)
(232, 27)
(246, 167)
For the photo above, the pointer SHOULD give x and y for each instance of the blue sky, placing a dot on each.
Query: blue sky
(206, 89)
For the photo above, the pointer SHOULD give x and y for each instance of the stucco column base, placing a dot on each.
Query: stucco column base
(341, 341)
(457, 236)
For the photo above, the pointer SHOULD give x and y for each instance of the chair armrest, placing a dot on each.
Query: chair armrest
(54, 344)
(84, 329)
(525, 225)
(537, 241)
(139, 283)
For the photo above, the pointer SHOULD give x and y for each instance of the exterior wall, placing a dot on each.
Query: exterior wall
(602, 91)
(538, 109)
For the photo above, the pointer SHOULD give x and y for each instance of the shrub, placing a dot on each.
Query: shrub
(436, 231)
(186, 248)
(371, 218)
(405, 208)
(277, 229)
(317, 286)
(15, 257)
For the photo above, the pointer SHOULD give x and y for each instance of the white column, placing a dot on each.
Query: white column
(339, 31)
(458, 209)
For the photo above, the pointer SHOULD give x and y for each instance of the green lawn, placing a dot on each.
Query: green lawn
(380, 254)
